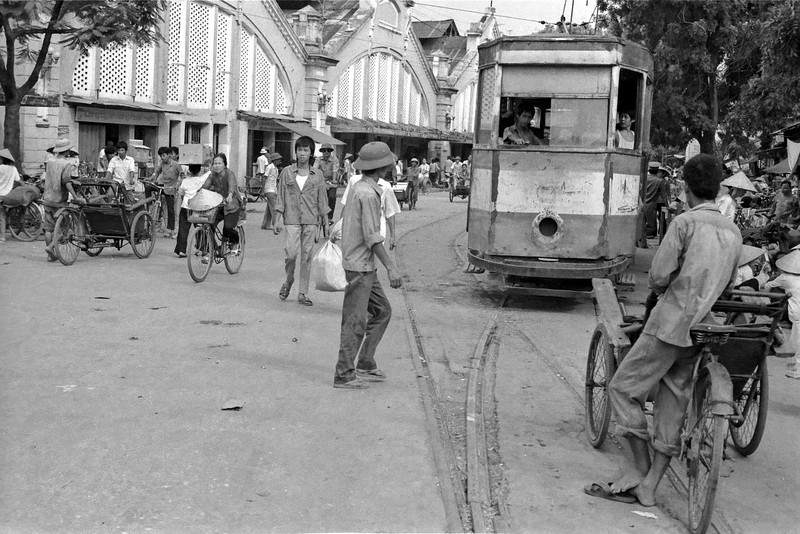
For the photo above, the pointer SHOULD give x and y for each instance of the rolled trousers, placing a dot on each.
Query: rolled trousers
(331, 202)
(650, 363)
(299, 241)
(183, 231)
(269, 211)
(365, 315)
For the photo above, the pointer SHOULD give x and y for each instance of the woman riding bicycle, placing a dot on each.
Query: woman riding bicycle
(223, 181)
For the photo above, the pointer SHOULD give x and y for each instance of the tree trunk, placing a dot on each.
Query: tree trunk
(708, 138)
(11, 130)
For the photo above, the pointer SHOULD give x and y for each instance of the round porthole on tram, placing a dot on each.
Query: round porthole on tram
(548, 227)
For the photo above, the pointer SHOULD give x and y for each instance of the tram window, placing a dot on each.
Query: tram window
(627, 104)
(579, 122)
(515, 110)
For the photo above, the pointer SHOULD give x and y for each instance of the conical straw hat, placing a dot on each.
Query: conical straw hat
(749, 253)
(740, 181)
(790, 263)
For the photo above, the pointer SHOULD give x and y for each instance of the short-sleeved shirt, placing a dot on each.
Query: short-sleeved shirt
(389, 205)
(8, 175)
(169, 174)
(361, 225)
(58, 173)
(328, 170)
(301, 206)
(526, 135)
(262, 163)
(694, 264)
(786, 207)
(121, 170)
(271, 181)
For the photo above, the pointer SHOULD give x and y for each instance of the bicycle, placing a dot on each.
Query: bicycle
(206, 245)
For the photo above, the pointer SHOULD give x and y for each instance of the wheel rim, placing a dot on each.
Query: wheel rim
(25, 223)
(143, 232)
(596, 395)
(64, 234)
(199, 244)
(234, 263)
(752, 401)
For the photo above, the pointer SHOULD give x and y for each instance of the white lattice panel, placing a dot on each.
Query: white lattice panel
(245, 70)
(407, 86)
(395, 90)
(177, 43)
(262, 96)
(425, 119)
(413, 110)
(373, 87)
(116, 71)
(473, 91)
(281, 103)
(358, 89)
(344, 100)
(384, 84)
(83, 76)
(145, 70)
(222, 75)
(198, 56)
(333, 102)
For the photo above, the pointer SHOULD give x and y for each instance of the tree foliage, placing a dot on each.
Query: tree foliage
(29, 27)
(717, 66)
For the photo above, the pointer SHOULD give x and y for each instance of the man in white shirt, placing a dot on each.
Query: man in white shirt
(122, 169)
(271, 190)
(389, 206)
(261, 165)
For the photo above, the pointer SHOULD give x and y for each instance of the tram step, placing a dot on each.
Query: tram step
(625, 281)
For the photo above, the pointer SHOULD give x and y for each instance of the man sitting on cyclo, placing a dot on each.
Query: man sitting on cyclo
(696, 261)
(223, 181)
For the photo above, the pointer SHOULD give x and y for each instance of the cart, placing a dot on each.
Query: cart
(404, 192)
(255, 187)
(108, 218)
(461, 189)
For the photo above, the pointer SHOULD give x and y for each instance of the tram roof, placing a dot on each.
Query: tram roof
(561, 49)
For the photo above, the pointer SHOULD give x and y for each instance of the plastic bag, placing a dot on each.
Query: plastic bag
(326, 268)
(205, 200)
(336, 231)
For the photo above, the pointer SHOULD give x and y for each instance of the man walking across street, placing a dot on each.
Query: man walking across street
(366, 310)
(696, 261)
(328, 166)
(168, 174)
(302, 206)
(271, 190)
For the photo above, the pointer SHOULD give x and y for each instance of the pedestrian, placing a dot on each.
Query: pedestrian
(106, 154)
(271, 190)
(349, 172)
(8, 175)
(424, 176)
(301, 205)
(389, 207)
(433, 172)
(655, 194)
(785, 206)
(261, 167)
(222, 180)
(695, 262)
(789, 281)
(168, 174)
(58, 175)
(455, 172)
(122, 169)
(186, 191)
(366, 310)
(328, 166)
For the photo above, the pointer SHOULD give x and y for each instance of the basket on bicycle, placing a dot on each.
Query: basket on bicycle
(203, 206)
(203, 216)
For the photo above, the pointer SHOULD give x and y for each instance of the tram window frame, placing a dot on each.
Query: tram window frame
(543, 127)
(629, 92)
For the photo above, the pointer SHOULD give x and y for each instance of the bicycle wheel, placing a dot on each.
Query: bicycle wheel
(143, 234)
(64, 237)
(234, 263)
(752, 402)
(600, 366)
(704, 457)
(25, 222)
(451, 196)
(200, 251)
(92, 251)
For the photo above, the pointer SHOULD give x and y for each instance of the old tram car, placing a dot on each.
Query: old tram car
(551, 216)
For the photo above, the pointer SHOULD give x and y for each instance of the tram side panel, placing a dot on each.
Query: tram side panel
(540, 204)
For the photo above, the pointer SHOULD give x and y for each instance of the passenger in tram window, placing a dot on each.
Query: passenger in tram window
(521, 133)
(625, 137)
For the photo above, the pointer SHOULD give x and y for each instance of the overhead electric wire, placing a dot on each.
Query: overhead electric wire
(462, 10)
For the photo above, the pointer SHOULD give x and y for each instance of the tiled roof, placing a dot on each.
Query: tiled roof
(433, 29)
(453, 47)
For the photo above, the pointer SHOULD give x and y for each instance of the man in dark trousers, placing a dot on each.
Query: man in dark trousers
(366, 310)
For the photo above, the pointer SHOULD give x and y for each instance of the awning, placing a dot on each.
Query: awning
(340, 125)
(117, 104)
(263, 116)
(782, 167)
(301, 128)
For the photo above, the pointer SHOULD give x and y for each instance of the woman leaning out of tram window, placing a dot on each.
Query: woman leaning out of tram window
(223, 181)
(625, 137)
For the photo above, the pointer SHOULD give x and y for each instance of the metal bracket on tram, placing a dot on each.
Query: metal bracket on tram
(625, 281)
(472, 269)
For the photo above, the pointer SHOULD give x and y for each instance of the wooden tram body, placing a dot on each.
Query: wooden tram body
(567, 209)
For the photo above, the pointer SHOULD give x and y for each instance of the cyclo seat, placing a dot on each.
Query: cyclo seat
(711, 333)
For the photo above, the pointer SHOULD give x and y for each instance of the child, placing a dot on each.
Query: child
(789, 281)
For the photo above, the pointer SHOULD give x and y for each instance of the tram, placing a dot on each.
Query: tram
(555, 204)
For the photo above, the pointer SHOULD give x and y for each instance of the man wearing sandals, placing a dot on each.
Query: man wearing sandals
(696, 261)
(366, 311)
(302, 206)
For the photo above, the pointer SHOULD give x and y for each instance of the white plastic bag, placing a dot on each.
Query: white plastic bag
(205, 200)
(336, 231)
(326, 268)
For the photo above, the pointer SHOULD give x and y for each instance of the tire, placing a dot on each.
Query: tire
(753, 399)
(600, 367)
(234, 263)
(93, 252)
(704, 457)
(25, 223)
(157, 212)
(143, 234)
(64, 234)
(200, 243)
(451, 196)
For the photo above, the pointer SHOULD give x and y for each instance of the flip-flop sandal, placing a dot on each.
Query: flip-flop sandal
(373, 375)
(304, 301)
(284, 292)
(604, 492)
(353, 384)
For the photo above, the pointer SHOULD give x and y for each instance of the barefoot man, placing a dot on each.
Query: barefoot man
(694, 264)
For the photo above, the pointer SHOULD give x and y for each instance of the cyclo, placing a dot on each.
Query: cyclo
(730, 378)
(206, 244)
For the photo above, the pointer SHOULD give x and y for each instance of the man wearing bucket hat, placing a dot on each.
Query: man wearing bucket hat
(366, 310)
(271, 190)
(327, 166)
(694, 264)
(789, 281)
(58, 176)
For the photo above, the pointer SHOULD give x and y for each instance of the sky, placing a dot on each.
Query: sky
(508, 12)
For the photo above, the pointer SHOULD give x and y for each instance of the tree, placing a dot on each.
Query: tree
(29, 27)
(707, 56)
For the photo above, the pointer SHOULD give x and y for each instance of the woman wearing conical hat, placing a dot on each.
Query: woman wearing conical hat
(789, 281)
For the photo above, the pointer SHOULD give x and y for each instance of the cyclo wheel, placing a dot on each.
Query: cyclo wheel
(451, 196)
(234, 263)
(25, 223)
(600, 367)
(704, 457)
(200, 245)
(752, 402)
(93, 252)
(143, 234)
(64, 235)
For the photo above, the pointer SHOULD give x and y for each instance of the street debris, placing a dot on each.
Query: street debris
(233, 404)
(649, 515)
(294, 340)
(103, 298)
